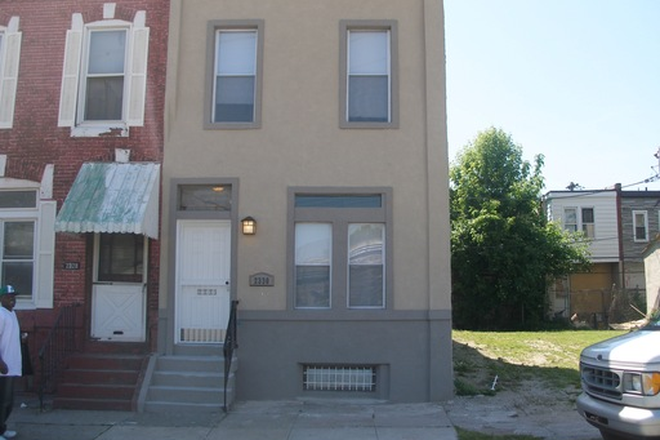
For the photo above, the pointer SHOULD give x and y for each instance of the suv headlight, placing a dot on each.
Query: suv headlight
(646, 384)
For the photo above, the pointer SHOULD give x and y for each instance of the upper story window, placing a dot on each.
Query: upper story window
(10, 51)
(234, 80)
(341, 250)
(640, 226)
(570, 219)
(104, 75)
(581, 219)
(588, 224)
(368, 83)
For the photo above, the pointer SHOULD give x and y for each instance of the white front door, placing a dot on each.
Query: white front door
(202, 280)
(119, 292)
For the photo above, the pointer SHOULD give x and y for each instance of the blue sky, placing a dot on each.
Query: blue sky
(575, 80)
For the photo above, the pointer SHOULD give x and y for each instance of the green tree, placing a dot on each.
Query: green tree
(504, 251)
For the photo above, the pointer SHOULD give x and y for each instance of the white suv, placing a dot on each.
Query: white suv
(621, 384)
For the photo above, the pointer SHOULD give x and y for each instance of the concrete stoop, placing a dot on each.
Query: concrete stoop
(191, 379)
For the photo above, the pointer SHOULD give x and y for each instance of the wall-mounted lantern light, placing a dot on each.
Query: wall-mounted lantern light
(249, 226)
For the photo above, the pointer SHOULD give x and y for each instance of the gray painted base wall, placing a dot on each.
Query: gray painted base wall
(412, 356)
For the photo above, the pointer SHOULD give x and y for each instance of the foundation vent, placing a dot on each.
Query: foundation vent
(339, 378)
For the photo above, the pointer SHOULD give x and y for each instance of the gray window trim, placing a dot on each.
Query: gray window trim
(212, 27)
(344, 27)
(340, 218)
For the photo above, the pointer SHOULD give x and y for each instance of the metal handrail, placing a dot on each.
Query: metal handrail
(59, 344)
(231, 343)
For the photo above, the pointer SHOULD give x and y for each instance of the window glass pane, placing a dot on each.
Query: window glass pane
(313, 253)
(366, 249)
(19, 241)
(18, 256)
(368, 99)
(104, 98)
(640, 226)
(236, 53)
(121, 257)
(107, 52)
(18, 199)
(313, 243)
(339, 201)
(205, 198)
(19, 275)
(368, 52)
(587, 215)
(570, 219)
(234, 99)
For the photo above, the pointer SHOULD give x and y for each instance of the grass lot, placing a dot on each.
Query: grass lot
(518, 359)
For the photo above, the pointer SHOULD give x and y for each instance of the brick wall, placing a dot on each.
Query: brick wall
(35, 140)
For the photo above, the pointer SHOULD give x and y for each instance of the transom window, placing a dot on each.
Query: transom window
(340, 251)
(204, 198)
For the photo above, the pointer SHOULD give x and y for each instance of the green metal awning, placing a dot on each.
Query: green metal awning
(113, 197)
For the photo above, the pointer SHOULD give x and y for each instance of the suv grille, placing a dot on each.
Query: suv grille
(601, 381)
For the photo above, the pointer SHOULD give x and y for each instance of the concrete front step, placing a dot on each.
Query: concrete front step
(190, 381)
(93, 404)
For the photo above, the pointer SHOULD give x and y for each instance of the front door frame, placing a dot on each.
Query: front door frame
(168, 337)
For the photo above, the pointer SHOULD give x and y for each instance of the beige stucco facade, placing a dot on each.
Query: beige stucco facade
(299, 143)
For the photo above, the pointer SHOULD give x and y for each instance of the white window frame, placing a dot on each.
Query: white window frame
(10, 52)
(43, 214)
(73, 91)
(645, 214)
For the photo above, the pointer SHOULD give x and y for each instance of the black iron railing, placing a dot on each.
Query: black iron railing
(231, 343)
(60, 343)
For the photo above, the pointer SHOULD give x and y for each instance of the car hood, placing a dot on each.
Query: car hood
(638, 347)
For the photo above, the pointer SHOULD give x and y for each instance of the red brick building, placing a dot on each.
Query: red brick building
(82, 87)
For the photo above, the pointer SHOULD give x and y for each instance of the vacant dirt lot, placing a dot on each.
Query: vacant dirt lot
(519, 404)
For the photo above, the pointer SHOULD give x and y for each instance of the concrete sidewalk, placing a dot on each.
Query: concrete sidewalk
(280, 420)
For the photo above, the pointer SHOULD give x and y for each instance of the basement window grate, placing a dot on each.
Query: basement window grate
(339, 378)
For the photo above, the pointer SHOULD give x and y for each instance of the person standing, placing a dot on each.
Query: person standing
(10, 357)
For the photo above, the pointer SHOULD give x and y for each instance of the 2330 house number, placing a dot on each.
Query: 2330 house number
(262, 280)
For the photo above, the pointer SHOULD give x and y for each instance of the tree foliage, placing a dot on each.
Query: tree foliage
(504, 251)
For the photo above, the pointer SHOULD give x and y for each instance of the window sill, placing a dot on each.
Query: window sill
(118, 129)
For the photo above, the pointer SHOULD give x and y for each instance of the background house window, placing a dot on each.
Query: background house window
(570, 219)
(234, 77)
(340, 251)
(640, 226)
(106, 60)
(368, 74)
(588, 224)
